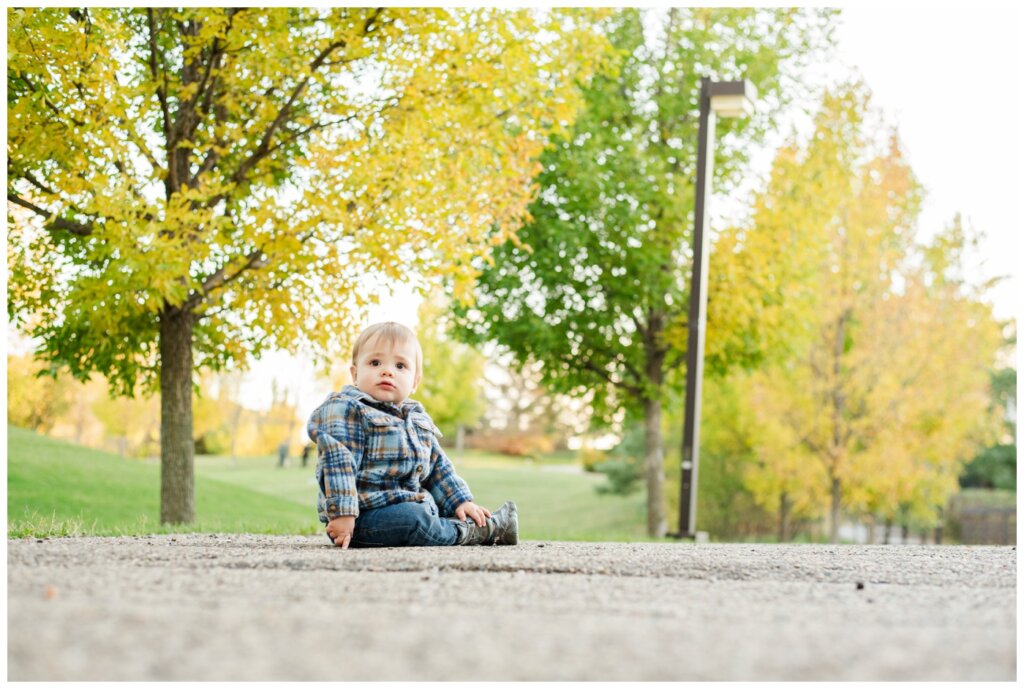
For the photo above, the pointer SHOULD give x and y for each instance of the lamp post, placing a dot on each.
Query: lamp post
(728, 99)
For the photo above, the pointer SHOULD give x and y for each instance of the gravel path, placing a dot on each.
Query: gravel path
(243, 607)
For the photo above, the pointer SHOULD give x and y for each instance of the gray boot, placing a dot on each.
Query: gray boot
(501, 528)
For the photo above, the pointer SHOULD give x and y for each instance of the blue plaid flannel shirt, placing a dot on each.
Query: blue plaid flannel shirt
(372, 454)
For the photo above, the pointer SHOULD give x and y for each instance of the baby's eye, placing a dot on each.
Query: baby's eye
(375, 362)
(401, 365)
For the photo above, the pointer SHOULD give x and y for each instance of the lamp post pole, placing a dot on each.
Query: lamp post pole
(734, 97)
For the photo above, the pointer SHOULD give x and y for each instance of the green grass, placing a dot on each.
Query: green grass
(558, 506)
(55, 488)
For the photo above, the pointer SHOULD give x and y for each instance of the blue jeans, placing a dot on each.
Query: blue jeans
(403, 524)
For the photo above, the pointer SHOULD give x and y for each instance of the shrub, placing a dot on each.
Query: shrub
(623, 476)
(591, 458)
(514, 444)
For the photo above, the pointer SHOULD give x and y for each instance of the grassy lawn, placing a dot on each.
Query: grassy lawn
(56, 488)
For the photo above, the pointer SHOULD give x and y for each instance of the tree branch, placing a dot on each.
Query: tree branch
(204, 81)
(57, 111)
(55, 223)
(264, 148)
(221, 278)
(296, 135)
(30, 178)
(206, 87)
(161, 90)
(139, 144)
(629, 387)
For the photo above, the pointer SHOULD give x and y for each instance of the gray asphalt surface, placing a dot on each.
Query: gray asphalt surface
(243, 607)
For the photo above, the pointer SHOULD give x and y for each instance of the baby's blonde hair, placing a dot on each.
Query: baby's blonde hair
(392, 333)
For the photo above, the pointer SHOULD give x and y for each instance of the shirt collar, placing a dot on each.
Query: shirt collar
(403, 409)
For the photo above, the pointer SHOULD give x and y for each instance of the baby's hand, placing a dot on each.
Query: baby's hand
(340, 530)
(472, 511)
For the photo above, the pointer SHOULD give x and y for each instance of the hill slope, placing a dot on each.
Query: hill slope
(58, 488)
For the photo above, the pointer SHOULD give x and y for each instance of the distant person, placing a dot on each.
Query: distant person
(384, 479)
(307, 450)
(282, 454)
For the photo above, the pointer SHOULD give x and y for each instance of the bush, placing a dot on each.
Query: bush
(591, 458)
(514, 444)
(623, 476)
(994, 467)
(623, 465)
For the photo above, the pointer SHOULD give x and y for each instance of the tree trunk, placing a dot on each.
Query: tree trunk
(838, 403)
(236, 416)
(783, 517)
(460, 440)
(654, 451)
(177, 481)
(833, 527)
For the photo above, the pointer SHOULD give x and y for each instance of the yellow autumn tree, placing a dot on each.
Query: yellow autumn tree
(34, 400)
(886, 390)
(131, 424)
(930, 374)
(190, 186)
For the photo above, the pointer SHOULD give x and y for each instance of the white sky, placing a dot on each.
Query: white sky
(951, 77)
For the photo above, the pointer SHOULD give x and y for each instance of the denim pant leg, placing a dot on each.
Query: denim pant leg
(403, 524)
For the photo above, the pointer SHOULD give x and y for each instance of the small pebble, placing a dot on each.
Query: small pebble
(860, 585)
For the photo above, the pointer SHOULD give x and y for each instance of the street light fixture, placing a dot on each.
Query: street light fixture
(727, 99)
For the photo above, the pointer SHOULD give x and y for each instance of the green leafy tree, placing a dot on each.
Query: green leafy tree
(996, 465)
(188, 187)
(595, 287)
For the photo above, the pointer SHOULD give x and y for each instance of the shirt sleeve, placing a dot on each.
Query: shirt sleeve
(337, 428)
(447, 488)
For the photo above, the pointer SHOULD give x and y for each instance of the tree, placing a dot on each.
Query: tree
(595, 288)
(213, 411)
(785, 480)
(887, 393)
(996, 465)
(522, 416)
(131, 423)
(188, 187)
(35, 400)
(451, 389)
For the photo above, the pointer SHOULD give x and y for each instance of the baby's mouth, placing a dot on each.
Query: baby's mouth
(385, 384)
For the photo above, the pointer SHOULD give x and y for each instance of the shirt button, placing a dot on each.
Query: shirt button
(419, 468)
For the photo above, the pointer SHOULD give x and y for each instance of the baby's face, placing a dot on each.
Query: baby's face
(386, 371)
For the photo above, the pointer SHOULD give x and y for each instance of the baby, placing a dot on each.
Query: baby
(384, 479)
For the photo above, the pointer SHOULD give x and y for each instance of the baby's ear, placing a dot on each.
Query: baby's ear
(352, 370)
